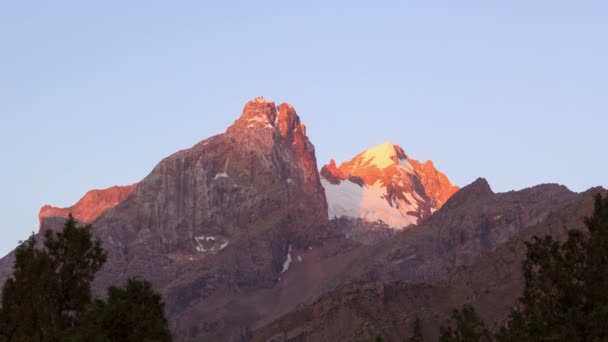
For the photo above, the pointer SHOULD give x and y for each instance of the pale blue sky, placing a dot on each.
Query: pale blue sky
(95, 93)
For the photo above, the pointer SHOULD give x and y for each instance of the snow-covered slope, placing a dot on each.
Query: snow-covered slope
(384, 184)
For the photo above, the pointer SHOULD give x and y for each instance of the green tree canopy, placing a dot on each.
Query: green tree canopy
(50, 286)
(134, 313)
(48, 297)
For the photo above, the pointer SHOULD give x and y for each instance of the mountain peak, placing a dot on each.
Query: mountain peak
(259, 112)
(383, 155)
(479, 189)
(263, 113)
(383, 183)
(287, 121)
(260, 99)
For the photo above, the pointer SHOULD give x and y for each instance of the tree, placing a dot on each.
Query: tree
(468, 327)
(132, 314)
(417, 334)
(50, 286)
(48, 298)
(565, 296)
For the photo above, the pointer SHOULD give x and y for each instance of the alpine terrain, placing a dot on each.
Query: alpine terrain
(384, 184)
(247, 240)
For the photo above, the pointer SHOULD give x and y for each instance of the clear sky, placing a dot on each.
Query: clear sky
(95, 93)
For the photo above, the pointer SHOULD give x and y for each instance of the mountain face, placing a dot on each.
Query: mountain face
(470, 226)
(235, 233)
(492, 284)
(212, 222)
(384, 184)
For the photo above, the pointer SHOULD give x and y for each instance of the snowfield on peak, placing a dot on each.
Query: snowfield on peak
(380, 156)
(369, 203)
(384, 184)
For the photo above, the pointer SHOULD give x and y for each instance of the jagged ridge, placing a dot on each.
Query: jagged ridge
(92, 205)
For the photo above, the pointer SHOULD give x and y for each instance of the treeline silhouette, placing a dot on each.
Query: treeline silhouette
(48, 298)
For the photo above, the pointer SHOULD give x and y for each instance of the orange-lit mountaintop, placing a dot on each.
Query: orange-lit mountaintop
(91, 205)
(387, 165)
(262, 113)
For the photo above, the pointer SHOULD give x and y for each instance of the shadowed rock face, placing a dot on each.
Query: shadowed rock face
(388, 302)
(471, 225)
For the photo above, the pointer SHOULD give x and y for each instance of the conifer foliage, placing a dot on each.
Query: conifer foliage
(565, 295)
(48, 297)
(467, 327)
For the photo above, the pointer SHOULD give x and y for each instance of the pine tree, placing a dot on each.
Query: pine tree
(48, 298)
(565, 295)
(134, 313)
(467, 327)
(25, 311)
(50, 286)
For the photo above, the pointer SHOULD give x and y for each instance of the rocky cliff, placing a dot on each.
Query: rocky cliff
(209, 223)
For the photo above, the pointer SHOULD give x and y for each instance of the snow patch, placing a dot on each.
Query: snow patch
(210, 242)
(380, 156)
(287, 260)
(259, 121)
(368, 203)
(200, 247)
(410, 198)
(220, 175)
(289, 180)
(258, 118)
(299, 258)
(254, 126)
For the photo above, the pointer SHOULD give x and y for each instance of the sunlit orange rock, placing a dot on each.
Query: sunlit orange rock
(91, 205)
(436, 184)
